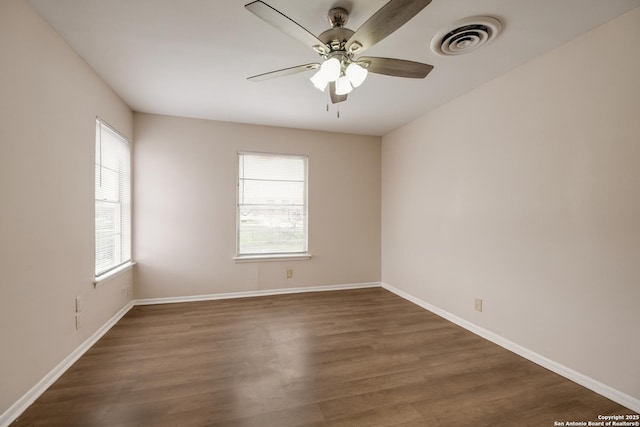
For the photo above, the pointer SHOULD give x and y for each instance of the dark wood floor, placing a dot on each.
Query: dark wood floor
(358, 357)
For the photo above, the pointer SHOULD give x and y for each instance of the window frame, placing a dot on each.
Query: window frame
(273, 256)
(124, 264)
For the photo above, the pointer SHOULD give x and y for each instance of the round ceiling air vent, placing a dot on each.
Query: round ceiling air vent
(466, 35)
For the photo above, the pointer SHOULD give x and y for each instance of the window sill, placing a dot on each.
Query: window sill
(271, 257)
(103, 278)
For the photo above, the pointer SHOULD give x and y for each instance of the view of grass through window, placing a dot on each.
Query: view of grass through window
(272, 199)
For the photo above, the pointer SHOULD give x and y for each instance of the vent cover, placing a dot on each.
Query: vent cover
(466, 35)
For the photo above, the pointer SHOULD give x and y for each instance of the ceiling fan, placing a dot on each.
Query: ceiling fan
(342, 68)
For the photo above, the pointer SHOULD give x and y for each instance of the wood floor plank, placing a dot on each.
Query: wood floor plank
(361, 357)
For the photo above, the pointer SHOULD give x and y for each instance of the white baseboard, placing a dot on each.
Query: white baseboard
(249, 294)
(585, 381)
(25, 401)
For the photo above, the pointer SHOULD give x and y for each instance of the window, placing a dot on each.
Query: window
(113, 199)
(272, 205)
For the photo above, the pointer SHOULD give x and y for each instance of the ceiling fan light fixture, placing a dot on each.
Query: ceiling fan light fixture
(343, 86)
(338, 46)
(356, 74)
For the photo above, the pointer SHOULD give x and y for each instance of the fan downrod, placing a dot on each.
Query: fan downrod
(336, 37)
(338, 17)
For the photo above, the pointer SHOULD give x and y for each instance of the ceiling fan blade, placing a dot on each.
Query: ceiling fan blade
(287, 25)
(283, 72)
(385, 21)
(395, 67)
(335, 98)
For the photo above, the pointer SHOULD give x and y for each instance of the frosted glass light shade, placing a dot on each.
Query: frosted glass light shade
(331, 69)
(319, 81)
(356, 74)
(329, 72)
(343, 86)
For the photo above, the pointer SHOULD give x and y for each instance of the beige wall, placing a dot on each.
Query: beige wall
(185, 195)
(49, 99)
(526, 193)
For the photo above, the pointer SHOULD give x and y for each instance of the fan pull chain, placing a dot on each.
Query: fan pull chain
(338, 113)
(327, 92)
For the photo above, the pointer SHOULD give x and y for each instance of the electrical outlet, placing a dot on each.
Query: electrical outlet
(78, 304)
(78, 321)
(478, 304)
(289, 273)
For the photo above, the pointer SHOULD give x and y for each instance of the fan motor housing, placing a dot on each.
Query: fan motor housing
(336, 37)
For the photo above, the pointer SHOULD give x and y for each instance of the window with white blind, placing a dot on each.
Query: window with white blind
(272, 205)
(113, 200)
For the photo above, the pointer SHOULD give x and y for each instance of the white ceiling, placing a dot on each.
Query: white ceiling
(190, 58)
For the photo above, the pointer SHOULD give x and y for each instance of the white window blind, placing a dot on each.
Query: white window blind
(272, 204)
(113, 199)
